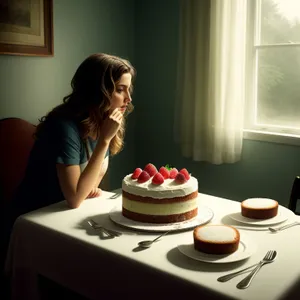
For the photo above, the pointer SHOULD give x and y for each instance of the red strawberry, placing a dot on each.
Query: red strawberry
(173, 173)
(144, 176)
(185, 173)
(158, 179)
(180, 178)
(150, 169)
(137, 172)
(164, 172)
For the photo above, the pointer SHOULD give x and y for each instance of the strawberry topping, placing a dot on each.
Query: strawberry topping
(144, 176)
(173, 173)
(150, 169)
(185, 173)
(158, 179)
(137, 172)
(164, 172)
(180, 178)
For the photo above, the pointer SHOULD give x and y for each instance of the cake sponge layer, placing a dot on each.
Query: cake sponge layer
(216, 239)
(259, 208)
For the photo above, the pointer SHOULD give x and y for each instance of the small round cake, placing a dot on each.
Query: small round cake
(216, 239)
(259, 208)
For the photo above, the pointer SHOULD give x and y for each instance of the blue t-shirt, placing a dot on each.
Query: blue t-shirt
(59, 142)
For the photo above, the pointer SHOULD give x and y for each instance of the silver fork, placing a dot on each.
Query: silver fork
(269, 257)
(232, 275)
(115, 196)
(272, 229)
(109, 232)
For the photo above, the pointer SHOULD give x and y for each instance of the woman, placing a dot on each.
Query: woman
(73, 141)
(70, 155)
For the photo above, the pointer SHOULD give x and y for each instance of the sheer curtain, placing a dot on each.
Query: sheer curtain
(211, 80)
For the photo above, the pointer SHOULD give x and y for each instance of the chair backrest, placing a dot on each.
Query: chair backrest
(16, 140)
(295, 195)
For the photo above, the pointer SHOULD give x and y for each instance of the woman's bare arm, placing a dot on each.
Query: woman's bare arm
(103, 171)
(76, 186)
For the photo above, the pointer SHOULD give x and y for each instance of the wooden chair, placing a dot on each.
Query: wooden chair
(295, 196)
(16, 139)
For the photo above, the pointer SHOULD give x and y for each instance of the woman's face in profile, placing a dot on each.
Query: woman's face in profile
(121, 95)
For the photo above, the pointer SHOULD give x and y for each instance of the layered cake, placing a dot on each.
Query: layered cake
(216, 239)
(159, 196)
(259, 208)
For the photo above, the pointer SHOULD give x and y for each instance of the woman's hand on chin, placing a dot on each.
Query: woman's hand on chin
(111, 125)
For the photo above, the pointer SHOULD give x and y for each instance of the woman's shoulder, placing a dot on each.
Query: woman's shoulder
(65, 123)
(63, 126)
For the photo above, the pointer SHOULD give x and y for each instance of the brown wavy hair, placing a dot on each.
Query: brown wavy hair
(89, 102)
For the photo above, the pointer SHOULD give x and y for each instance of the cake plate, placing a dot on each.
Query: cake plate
(205, 214)
(246, 248)
(283, 215)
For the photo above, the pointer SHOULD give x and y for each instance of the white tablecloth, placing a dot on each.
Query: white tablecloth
(57, 243)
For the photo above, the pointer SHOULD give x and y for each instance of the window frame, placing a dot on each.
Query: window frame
(252, 129)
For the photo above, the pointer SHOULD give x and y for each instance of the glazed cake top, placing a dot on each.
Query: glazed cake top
(259, 203)
(217, 233)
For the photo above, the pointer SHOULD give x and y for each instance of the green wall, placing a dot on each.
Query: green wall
(146, 32)
(31, 86)
(265, 170)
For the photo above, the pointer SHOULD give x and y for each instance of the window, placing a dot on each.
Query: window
(273, 68)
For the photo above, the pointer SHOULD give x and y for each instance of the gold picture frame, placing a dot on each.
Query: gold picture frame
(26, 27)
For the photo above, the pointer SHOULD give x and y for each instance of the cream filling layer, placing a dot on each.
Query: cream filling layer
(160, 209)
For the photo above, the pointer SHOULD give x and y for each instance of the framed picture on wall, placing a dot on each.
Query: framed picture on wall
(26, 27)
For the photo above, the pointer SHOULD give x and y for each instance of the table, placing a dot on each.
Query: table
(57, 243)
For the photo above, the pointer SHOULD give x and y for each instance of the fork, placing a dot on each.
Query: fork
(269, 257)
(115, 196)
(232, 275)
(109, 232)
(272, 229)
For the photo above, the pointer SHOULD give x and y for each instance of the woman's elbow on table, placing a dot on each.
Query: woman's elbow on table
(69, 176)
(74, 203)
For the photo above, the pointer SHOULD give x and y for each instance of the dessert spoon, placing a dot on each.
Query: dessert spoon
(147, 244)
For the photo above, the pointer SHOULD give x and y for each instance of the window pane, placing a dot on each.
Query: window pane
(280, 21)
(278, 101)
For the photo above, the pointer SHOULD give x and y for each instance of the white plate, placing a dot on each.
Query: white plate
(205, 214)
(245, 250)
(283, 215)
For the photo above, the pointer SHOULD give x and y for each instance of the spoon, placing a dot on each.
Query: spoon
(147, 244)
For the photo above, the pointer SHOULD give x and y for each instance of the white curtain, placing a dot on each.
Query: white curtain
(211, 80)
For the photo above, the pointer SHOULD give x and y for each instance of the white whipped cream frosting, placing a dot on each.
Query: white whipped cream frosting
(259, 203)
(168, 189)
(217, 233)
